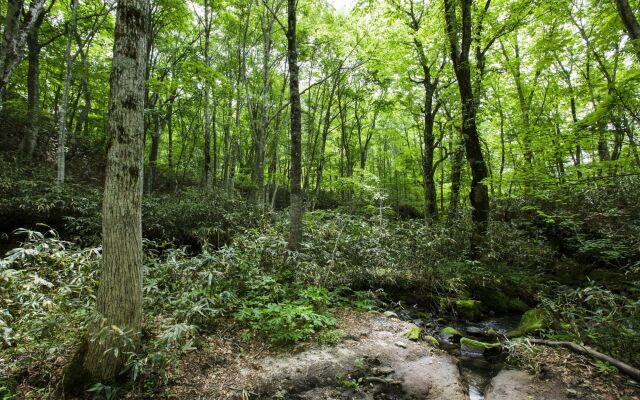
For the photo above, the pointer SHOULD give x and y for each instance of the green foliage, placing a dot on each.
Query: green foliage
(285, 322)
(598, 317)
(29, 197)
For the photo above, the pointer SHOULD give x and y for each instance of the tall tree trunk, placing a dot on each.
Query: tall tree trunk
(62, 116)
(297, 202)
(456, 175)
(30, 139)
(479, 195)
(323, 144)
(158, 126)
(14, 37)
(170, 136)
(82, 124)
(630, 23)
(214, 171)
(119, 298)
(206, 173)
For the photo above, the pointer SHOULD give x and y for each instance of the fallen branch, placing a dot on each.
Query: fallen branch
(623, 367)
(375, 379)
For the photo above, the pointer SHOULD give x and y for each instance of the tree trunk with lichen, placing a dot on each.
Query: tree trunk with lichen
(119, 298)
(297, 201)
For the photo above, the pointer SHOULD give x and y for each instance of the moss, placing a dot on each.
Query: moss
(532, 321)
(517, 305)
(451, 334)
(469, 309)
(413, 333)
(494, 299)
(478, 345)
(432, 341)
(492, 334)
(449, 331)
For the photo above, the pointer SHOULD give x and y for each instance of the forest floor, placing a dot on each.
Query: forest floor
(375, 360)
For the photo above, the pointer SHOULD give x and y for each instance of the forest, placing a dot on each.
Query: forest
(320, 199)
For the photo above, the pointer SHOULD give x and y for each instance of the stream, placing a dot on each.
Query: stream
(476, 368)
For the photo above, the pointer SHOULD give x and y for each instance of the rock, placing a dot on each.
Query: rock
(532, 321)
(432, 341)
(390, 314)
(494, 299)
(519, 385)
(419, 322)
(413, 333)
(381, 371)
(469, 309)
(450, 334)
(509, 385)
(518, 306)
(491, 333)
(474, 330)
(401, 344)
(415, 372)
(476, 346)
(572, 393)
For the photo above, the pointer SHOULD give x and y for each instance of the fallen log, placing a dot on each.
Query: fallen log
(623, 367)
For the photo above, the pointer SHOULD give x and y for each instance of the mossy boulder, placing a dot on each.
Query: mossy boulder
(477, 344)
(469, 309)
(494, 299)
(413, 333)
(432, 341)
(532, 321)
(451, 334)
(518, 305)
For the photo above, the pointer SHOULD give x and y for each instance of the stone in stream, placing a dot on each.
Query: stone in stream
(475, 331)
(478, 347)
(450, 334)
(390, 314)
(413, 333)
(532, 321)
(519, 385)
(469, 309)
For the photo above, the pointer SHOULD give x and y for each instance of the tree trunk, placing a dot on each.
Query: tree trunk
(323, 144)
(62, 116)
(29, 140)
(456, 175)
(14, 38)
(206, 173)
(630, 23)
(119, 298)
(479, 195)
(297, 205)
(153, 153)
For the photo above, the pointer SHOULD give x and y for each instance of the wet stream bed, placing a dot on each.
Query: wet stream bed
(477, 367)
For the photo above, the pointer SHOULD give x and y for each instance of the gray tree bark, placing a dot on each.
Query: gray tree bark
(297, 202)
(119, 298)
(62, 115)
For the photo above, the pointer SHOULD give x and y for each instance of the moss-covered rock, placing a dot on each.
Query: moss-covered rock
(477, 344)
(432, 341)
(451, 334)
(532, 321)
(469, 309)
(494, 299)
(519, 306)
(413, 333)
